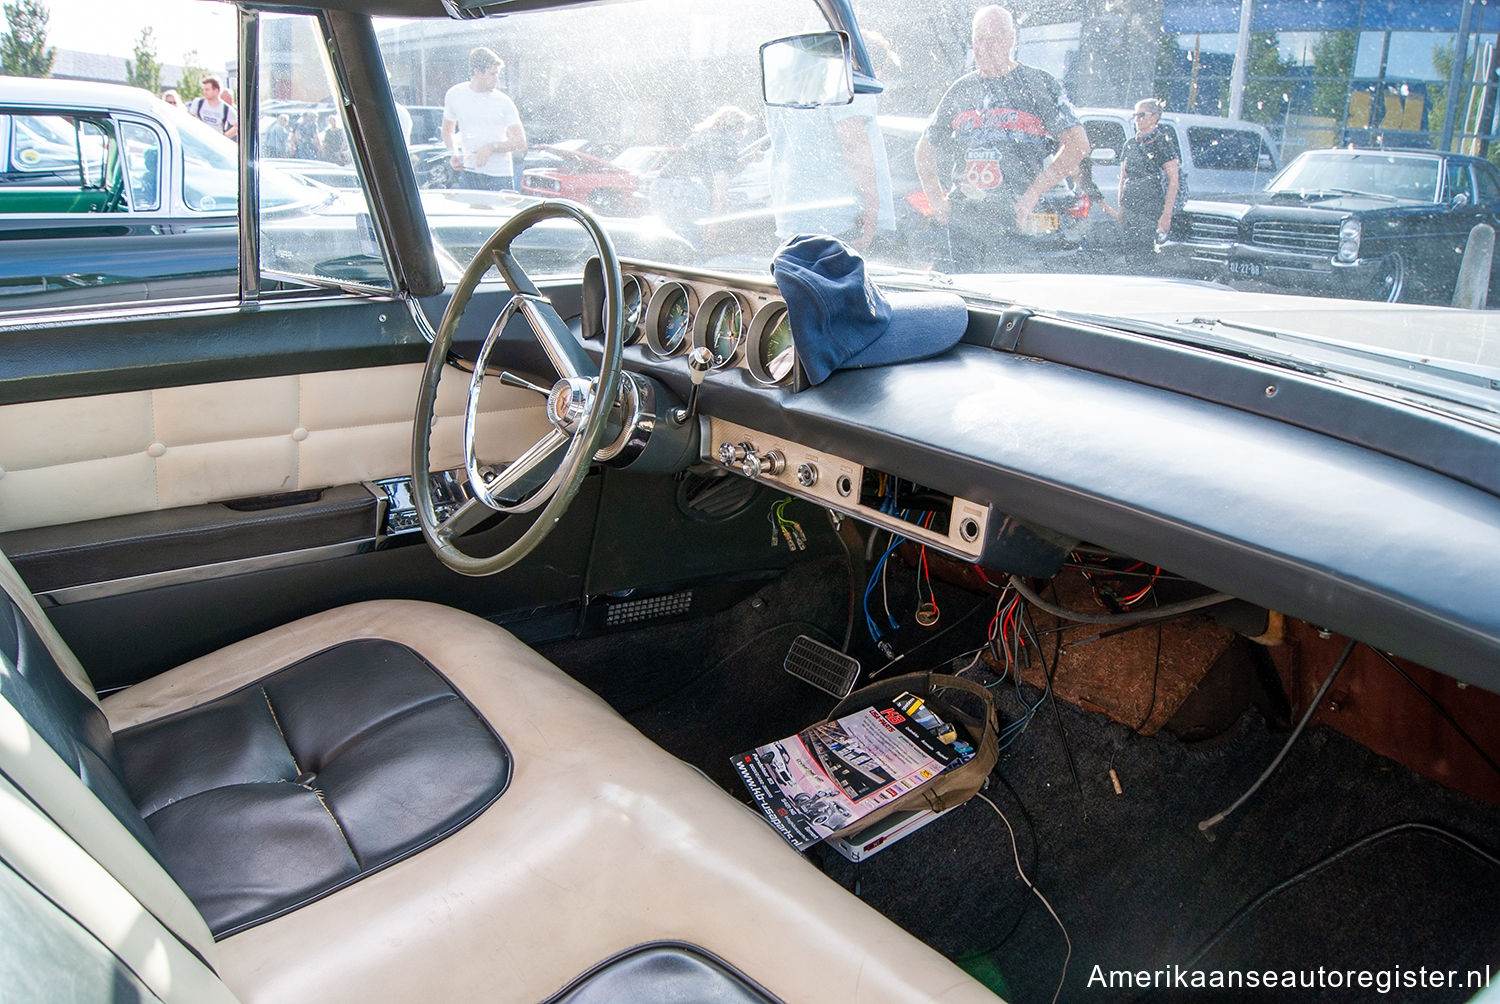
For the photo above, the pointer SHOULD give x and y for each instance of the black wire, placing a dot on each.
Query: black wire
(1438, 708)
(1322, 863)
(931, 638)
(1312, 707)
(853, 589)
(1048, 672)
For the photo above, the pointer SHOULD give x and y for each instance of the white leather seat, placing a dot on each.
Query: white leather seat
(601, 842)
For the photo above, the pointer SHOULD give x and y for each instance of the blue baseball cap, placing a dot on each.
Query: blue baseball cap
(840, 320)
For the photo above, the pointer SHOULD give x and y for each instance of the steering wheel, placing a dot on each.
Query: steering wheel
(578, 404)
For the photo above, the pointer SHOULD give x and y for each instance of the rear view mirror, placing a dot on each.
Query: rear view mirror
(805, 71)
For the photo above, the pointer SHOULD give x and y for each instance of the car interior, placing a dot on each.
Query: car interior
(370, 642)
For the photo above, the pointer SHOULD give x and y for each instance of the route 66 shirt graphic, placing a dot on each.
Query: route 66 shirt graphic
(993, 135)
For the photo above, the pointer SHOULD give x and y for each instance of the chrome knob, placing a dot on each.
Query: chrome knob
(773, 463)
(730, 454)
(807, 475)
(750, 466)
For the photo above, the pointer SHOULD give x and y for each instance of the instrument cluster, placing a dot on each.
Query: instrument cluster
(744, 325)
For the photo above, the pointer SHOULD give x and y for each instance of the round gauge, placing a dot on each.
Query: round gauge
(720, 327)
(770, 351)
(669, 316)
(632, 306)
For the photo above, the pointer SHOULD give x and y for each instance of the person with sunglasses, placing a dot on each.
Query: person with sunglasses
(1149, 178)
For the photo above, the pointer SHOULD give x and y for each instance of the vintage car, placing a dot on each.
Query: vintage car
(108, 192)
(1375, 224)
(608, 188)
(1218, 155)
(395, 625)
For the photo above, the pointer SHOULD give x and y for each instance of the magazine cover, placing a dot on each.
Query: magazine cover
(830, 775)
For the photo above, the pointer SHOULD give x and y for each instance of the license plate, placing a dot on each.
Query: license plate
(1044, 223)
(1250, 268)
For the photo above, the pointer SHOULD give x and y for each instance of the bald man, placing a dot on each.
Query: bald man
(982, 159)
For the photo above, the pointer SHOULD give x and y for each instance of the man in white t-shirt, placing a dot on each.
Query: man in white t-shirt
(212, 109)
(488, 123)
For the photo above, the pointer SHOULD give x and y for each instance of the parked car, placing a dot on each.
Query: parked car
(391, 624)
(1218, 155)
(105, 185)
(107, 190)
(603, 185)
(1370, 224)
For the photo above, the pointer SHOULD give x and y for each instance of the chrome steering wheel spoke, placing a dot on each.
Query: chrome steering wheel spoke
(578, 404)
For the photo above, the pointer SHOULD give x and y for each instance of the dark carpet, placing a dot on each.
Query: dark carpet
(1138, 887)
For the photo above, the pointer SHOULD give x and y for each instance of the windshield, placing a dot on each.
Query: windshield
(984, 150)
(1388, 175)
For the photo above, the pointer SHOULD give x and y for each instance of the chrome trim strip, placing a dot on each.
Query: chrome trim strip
(201, 573)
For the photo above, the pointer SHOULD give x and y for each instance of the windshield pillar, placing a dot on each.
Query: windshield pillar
(249, 153)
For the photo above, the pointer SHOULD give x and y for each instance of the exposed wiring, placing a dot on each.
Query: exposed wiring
(963, 619)
(1016, 853)
(1317, 866)
(1312, 707)
(1438, 707)
(1085, 617)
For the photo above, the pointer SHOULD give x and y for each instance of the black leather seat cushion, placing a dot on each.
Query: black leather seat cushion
(283, 791)
(665, 971)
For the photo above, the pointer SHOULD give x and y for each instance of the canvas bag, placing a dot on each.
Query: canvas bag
(951, 787)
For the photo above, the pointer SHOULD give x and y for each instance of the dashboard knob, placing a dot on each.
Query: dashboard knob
(773, 463)
(807, 475)
(750, 466)
(730, 454)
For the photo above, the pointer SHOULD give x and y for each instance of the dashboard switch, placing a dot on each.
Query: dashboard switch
(807, 475)
(730, 454)
(772, 464)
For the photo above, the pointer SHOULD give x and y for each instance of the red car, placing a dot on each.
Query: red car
(610, 188)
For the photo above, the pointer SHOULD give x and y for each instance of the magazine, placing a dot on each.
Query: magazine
(831, 775)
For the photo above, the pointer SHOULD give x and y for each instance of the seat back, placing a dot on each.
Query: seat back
(68, 830)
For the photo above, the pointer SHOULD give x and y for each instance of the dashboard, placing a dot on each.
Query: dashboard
(744, 326)
(1038, 432)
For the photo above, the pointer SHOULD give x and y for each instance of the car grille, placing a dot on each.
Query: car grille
(1213, 229)
(1322, 238)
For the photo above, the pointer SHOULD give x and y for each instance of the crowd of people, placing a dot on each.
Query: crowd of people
(1002, 137)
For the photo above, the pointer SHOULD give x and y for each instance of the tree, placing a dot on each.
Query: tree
(1267, 90)
(144, 71)
(24, 51)
(1333, 57)
(190, 84)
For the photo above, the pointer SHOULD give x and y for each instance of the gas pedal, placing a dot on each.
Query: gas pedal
(826, 668)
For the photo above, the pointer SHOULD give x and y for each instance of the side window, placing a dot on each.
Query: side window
(78, 157)
(142, 153)
(1106, 135)
(57, 164)
(1456, 184)
(1487, 183)
(1218, 149)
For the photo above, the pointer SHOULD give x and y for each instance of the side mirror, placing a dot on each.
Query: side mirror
(806, 71)
(1103, 155)
(1461, 199)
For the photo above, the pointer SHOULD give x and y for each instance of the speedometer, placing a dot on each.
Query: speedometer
(669, 316)
(720, 327)
(770, 350)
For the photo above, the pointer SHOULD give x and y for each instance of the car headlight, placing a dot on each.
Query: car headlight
(1349, 232)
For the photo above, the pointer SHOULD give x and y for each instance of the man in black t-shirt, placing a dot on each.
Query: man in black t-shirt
(983, 161)
(1149, 178)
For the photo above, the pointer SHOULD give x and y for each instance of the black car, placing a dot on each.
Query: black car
(1368, 224)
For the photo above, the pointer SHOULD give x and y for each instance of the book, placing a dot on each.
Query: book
(829, 776)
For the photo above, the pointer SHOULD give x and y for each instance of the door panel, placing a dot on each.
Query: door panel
(113, 454)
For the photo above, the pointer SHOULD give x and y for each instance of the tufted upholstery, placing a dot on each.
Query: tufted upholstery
(180, 446)
(293, 786)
